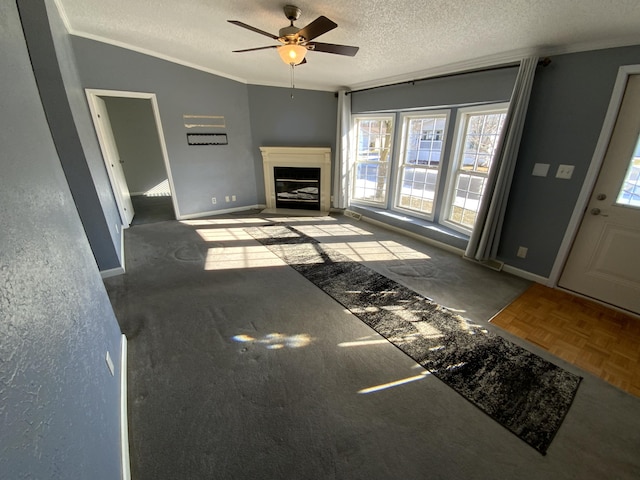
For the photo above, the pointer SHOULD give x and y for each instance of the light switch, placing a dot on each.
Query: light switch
(565, 171)
(540, 170)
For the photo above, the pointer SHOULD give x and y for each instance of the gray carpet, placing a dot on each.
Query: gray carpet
(152, 209)
(523, 392)
(239, 368)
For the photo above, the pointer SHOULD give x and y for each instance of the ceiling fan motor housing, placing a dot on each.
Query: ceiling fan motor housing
(292, 12)
(290, 34)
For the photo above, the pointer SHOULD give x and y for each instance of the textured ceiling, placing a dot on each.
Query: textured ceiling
(398, 39)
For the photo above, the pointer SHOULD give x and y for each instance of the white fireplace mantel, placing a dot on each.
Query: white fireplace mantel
(306, 157)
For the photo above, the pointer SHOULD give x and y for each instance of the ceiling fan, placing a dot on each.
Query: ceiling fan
(297, 41)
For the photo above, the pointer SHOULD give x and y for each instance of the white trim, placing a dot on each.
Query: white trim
(94, 92)
(505, 58)
(526, 275)
(312, 157)
(473, 64)
(390, 115)
(115, 43)
(112, 272)
(109, 152)
(594, 169)
(399, 153)
(415, 236)
(191, 216)
(455, 155)
(124, 423)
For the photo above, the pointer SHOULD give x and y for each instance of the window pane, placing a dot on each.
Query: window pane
(373, 146)
(630, 192)
(466, 200)
(420, 165)
(418, 188)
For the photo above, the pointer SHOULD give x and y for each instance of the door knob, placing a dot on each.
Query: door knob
(597, 211)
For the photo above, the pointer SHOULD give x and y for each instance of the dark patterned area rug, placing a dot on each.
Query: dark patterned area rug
(523, 392)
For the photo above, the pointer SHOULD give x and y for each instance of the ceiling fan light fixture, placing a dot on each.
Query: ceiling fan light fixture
(292, 54)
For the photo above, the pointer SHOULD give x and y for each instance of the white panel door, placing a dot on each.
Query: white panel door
(112, 159)
(604, 262)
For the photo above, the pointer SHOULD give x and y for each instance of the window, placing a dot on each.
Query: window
(477, 133)
(424, 175)
(420, 160)
(374, 136)
(630, 191)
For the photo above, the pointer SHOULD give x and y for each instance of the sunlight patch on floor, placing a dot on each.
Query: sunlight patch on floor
(276, 341)
(223, 234)
(336, 230)
(376, 251)
(396, 383)
(160, 190)
(227, 258)
(363, 343)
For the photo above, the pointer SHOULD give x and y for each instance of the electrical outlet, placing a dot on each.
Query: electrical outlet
(522, 252)
(213, 200)
(110, 364)
(565, 171)
(226, 198)
(233, 198)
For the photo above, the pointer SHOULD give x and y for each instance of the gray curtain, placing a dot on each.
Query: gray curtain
(341, 165)
(485, 238)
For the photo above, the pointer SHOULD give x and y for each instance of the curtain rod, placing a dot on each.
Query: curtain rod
(543, 62)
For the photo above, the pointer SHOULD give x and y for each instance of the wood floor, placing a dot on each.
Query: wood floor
(601, 341)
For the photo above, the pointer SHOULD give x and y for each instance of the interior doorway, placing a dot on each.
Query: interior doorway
(603, 263)
(132, 142)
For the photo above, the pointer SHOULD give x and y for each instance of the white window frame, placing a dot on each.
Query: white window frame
(354, 164)
(455, 157)
(399, 155)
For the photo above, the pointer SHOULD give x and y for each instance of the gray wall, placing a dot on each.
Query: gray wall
(59, 408)
(490, 86)
(309, 119)
(568, 104)
(73, 133)
(134, 129)
(199, 172)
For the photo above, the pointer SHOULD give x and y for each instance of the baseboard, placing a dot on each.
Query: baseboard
(527, 275)
(124, 422)
(191, 216)
(415, 236)
(114, 272)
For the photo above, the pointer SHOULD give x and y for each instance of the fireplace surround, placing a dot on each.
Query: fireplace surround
(302, 158)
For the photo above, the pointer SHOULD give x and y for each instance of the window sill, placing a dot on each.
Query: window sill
(424, 228)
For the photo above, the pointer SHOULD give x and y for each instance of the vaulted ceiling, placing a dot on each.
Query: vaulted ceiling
(398, 39)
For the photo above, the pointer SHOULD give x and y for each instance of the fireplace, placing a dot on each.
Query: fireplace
(297, 187)
(297, 178)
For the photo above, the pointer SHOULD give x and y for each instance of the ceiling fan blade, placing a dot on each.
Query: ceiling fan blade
(253, 29)
(332, 48)
(253, 49)
(316, 28)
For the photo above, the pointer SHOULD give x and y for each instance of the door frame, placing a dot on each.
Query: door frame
(624, 72)
(92, 94)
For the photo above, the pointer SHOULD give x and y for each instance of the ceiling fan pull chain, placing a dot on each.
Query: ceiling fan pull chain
(293, 86)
